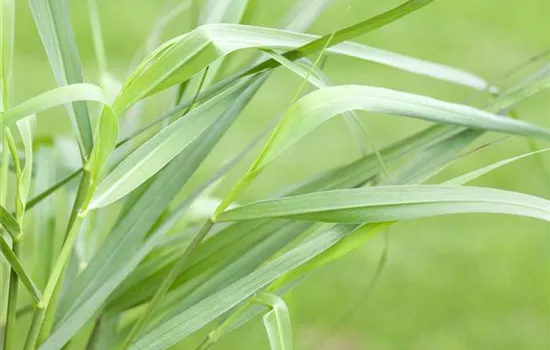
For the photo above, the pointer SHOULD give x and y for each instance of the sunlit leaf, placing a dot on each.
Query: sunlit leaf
(390, 203)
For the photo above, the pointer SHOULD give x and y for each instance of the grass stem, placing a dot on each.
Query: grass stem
(46, 309)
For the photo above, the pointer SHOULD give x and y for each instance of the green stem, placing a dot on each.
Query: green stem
(222, 328)
(4, 171)
(13, 279)
(34, 201)
(46, 308)
(12, 303)
(38, 315)
(49, 293)
(176, 270)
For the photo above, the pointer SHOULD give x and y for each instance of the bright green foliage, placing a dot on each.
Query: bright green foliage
(145, 257)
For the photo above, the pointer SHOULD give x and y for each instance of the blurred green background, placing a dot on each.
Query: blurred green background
(454, 283)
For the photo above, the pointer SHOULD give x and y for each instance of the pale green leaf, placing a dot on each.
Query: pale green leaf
(276, 321)
(43, 216)
(123, 249)
(52, 98)
(154, 154)
(184, 56)
(197, 316)
(390, 203)
(7, 25)
(105, 142)
(315, 108)
(54, 26)
(25, 127)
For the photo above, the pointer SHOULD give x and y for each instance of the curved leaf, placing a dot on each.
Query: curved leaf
(154, 154)
(182, 57)
(56, 97)
(315, 108)
(391, 203)
(276, 321)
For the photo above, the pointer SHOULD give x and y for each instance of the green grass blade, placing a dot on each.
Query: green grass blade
(43, 217)
(19, 270)
(7, 35)
(54, 26)
(25, 127)
(90, 290)
(390, 203)
(276, 321)
(52, 98)
(154, 154)
(535, 84)
(432, 160)
(319, 80)
(460, 180)
(9, 222)
(171, 331)
(50, 190)
(97, 38)
(346, 34)
(105, 142)
(317, 107)
(185, 56)
(215, 11)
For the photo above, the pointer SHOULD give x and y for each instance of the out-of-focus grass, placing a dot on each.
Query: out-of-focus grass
(467, 282)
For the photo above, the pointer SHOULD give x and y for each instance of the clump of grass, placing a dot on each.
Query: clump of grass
(165, 267)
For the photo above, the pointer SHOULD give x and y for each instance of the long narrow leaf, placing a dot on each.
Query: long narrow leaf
(184, 56)
(13, 261)
(200, 314)
(9, 222)
(90, 290)
(390, 203)
(53, 22)
(53, 98)
(154, 154)
(315, 108)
